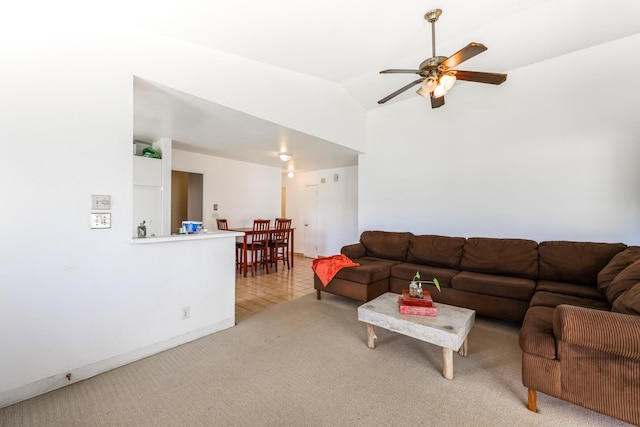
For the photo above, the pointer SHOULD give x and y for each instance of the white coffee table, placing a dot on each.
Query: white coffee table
(448, 330)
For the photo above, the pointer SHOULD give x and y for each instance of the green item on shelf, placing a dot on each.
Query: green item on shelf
(150, 152)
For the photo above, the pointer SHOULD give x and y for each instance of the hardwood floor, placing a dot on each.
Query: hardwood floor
(253, 293)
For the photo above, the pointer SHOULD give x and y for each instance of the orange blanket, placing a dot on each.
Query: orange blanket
(327, 267)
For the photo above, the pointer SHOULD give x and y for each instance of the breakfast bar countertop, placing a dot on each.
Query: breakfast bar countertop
(214, 234)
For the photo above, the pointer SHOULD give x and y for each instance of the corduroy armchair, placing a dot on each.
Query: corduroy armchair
(590, 358)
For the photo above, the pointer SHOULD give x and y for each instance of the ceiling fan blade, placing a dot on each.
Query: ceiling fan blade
(436, 102)
(399, 91)
(480, 77)
(467, 52)
(400, 71)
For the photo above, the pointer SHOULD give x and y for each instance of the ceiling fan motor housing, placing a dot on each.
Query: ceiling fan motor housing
(431, 64)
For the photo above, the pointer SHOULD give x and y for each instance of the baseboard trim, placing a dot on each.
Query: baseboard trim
(63, 379)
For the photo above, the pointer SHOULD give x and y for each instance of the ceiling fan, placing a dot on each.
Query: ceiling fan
(437, 74)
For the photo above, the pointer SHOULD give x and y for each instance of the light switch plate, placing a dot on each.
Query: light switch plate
(100, 220)
(101, 201)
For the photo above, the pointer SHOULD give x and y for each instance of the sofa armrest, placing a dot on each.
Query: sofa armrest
(354, 251)
(600, 330)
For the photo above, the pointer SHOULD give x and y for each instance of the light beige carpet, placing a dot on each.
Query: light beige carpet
(306, 363)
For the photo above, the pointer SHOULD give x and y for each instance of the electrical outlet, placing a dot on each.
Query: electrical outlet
(186, 312)
(100, 220)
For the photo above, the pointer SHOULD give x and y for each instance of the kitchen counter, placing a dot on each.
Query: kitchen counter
(216, 234)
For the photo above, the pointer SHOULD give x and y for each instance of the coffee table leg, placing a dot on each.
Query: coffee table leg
(447, 363)
(371, 342)
(463, 349)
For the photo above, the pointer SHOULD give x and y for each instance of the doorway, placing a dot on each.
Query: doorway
(311, 221)
(186, 198)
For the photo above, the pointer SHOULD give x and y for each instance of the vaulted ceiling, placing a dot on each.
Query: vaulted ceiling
(349, 42)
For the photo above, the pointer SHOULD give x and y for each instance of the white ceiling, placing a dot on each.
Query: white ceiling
(349, 42)
(201, 126)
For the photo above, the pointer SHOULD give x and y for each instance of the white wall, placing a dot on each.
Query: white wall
(242, 191)
(79, 300)
(546, 155)
(337, 208)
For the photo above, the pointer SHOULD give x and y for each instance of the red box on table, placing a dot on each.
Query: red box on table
(418, 306)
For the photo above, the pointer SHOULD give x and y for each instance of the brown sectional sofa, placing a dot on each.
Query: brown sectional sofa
(499, 278)
(578, 302)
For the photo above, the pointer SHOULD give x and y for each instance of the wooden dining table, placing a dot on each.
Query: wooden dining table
(248, 231)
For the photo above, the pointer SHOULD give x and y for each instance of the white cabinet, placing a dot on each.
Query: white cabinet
(147, 195)
(152, 191)
(147, 172)
(147, 206)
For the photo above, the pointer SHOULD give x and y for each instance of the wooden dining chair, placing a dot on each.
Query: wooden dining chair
(259, 245)
(279, 242)
(223, 225)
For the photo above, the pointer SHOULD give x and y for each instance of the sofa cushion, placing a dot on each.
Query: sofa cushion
(353, 251)
(386, 244)
(575, 262)
(370, 270)
(618, 263)
(490, 284)
(552, 299)
(628, 302)
(438, 251)
(570, 289)
(536, 335)
(624, 281)
(406, 271)
(509, 257)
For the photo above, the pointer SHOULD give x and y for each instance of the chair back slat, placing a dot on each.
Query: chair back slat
(260, 231)
(283, 229)
(222, 224)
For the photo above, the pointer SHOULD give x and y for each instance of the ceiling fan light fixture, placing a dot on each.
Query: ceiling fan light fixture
(439, 91)
(285, 156)
(427, 87)
(447, 81)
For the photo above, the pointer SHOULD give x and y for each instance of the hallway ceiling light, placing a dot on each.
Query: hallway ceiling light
(285, 156)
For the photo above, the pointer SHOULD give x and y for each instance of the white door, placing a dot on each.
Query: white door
(311, 221)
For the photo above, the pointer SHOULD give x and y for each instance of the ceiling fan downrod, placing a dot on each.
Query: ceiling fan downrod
(432, 16)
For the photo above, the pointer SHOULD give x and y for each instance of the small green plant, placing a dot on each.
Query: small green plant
(416, 278)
